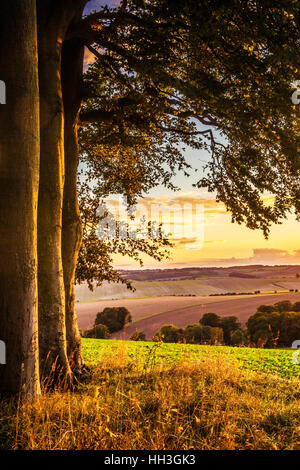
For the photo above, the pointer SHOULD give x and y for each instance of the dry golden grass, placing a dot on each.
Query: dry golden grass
(210, 404)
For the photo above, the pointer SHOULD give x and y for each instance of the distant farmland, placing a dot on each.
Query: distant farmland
(149, 314)
(200, 287)
(181, 296)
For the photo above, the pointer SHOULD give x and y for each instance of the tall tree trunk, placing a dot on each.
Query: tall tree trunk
(72, 65)
(53, 21)
(19, 179)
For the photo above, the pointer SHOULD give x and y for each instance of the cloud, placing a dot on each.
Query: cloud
(275, 255)
(267, 256)
(184, 241)
(261, 256)
(187, 201)
(259, 253)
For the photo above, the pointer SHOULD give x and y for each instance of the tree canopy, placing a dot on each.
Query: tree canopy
(217, 75)
(161, 83)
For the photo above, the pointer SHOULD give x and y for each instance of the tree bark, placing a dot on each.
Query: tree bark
(53, 20)
(72, 66)
(19, 179)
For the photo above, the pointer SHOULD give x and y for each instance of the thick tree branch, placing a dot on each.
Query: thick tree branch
(99, 115)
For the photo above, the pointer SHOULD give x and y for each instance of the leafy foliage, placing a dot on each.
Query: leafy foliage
(215, 76)
(99, 331)
(203, 334)
(138, 336)
(95, 260)
(115, 318)
(228, 324)
(211, 319)
(238, 338)
(272, 328)
(169, 334)
(195, 333)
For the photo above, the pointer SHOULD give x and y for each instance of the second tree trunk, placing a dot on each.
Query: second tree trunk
(72, 63)
(53, 22)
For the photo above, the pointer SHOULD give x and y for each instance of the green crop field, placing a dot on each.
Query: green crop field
(273, 361)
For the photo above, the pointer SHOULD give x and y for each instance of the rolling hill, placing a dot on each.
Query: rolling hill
(195, 281)
(181, 296)
(149, 314)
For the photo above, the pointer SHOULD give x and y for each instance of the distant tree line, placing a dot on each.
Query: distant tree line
(221, 294)
(275, 325)
(211, 329)
(271, 326)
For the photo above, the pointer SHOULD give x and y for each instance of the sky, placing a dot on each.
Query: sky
(204, 234)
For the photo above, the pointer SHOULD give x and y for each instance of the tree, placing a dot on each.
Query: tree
(19, 179)
(283, 306)
(264, 328)
(54, 18)
(95, 264)
(193, 333)
(296, 307)
(210, 319)
(99, 331)
(240, 102)
(115, 318)
(186, 58)
(289, 328)
(72, 84)
(169, 334)
(203, 334)
(138, 336)
(278, 324)
(266, 308)
(212, 335)
(215, 100)
(229, 324)
(238, 338)
(197, 85)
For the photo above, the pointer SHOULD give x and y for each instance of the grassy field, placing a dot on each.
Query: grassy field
(151, 396)
(164, 354)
